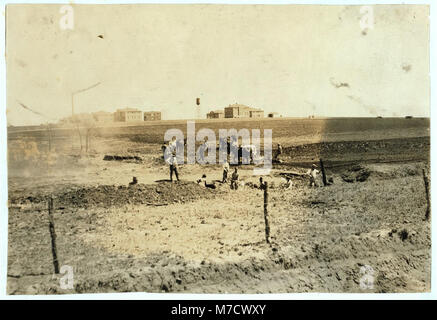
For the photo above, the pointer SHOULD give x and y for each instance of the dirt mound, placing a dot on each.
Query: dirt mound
(356, 173)
(386, 150)
(161, 194)
(121, 158)
(397, 171)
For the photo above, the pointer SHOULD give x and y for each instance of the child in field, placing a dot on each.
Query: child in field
(288, 183)
(170, 158)
(234, 179)
(313, 175)
(225, 171)
(278, 152)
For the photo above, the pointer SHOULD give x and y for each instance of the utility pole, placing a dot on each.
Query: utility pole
(266, 212)
(53, 235)
(428, 203)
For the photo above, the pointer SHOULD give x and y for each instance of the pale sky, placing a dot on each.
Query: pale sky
(293, 59)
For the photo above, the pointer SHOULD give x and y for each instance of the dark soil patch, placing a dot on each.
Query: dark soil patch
(163, 193)
(121, 158)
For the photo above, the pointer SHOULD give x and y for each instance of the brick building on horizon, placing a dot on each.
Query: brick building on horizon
(241, 111)
(152, 115)
(217, 114)
(128, 115)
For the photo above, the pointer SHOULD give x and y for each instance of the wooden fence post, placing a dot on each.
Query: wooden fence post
(266, 213)
(53, 235)
(428, 204)
(322, 167)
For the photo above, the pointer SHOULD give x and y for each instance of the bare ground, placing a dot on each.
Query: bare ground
(162, 237)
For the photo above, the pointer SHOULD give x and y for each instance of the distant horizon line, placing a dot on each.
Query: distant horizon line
(309, 117)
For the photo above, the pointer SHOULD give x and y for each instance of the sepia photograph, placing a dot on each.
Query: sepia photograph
(218, 148)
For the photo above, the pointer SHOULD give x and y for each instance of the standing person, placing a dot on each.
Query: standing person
(279, 149)
(234, 147)
(234, 179)
(288, 183)
(313, 175)
(171, 159)
(173, 144)
(164, 148)
(203, 147)
(278, 152)
(225, 171)
(174, 166)
(228, 146)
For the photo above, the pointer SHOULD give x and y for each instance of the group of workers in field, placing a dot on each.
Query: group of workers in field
(234, 178)
(170, 156)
